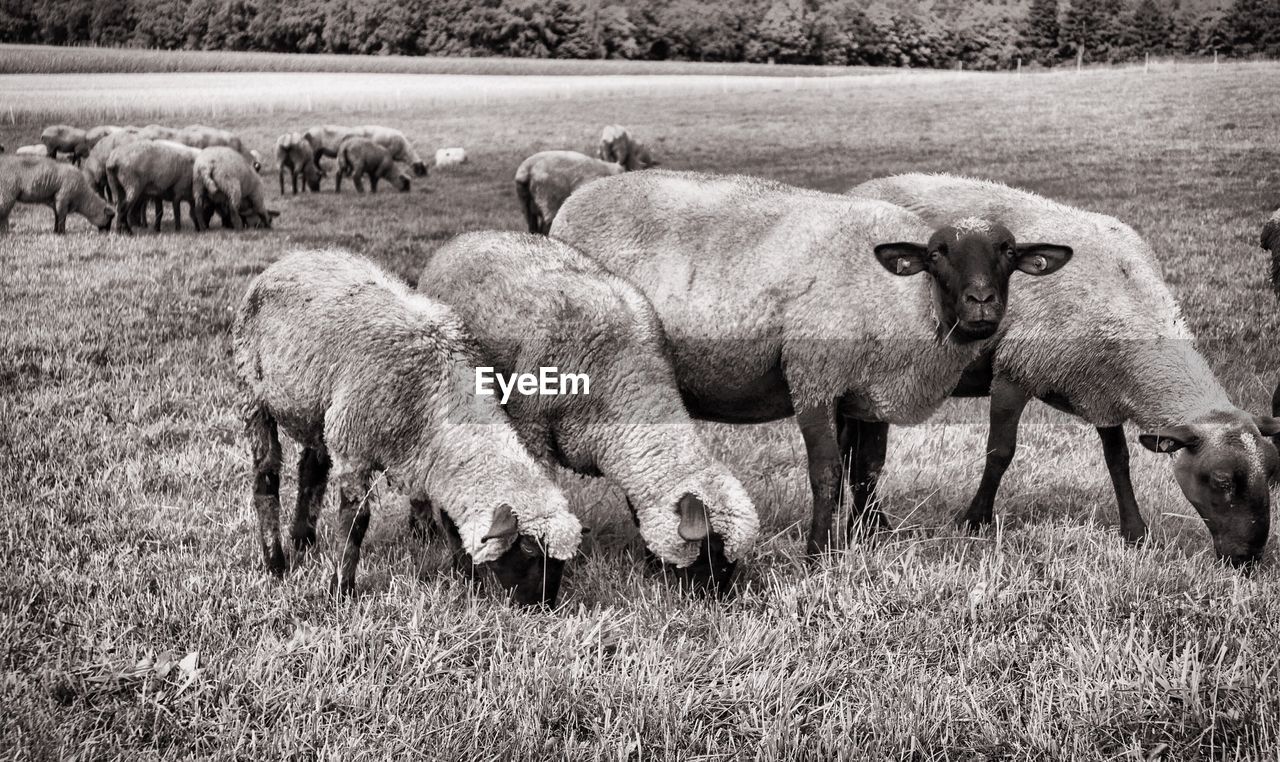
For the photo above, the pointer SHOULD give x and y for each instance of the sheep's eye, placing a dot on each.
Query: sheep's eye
(529, 545)
(941, 251)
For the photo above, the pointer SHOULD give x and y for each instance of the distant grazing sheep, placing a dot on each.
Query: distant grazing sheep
(160, 132)
(780, 301)
(358, 157)
(60, 186)
(160, 170)
(63, 138)
(326, 139)
(95, 166)
(32, 150)
(617, 146)
(545, 180)
(533, 303)
(448, 157)
(297, 156)
(1106, 341)
(224, 181)
(95, 135)
(370, 377)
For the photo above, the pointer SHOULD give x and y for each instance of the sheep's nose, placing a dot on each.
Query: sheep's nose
(980, 295)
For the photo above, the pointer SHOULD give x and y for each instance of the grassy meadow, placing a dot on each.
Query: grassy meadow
(136, 620)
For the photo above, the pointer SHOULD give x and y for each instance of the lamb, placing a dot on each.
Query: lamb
(368, 377)
(41, 180)
(326, 140)
(617, 146)
(1271, 242)
(773, 306)
(63, 138)
(152, 169)
(449, 157)
(1106, 342)
(547, 178)
(361, 156)
(296, 155)
(223, 179)
(532, 302)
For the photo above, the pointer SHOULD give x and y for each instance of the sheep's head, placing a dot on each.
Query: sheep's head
(524, 569)
(402, 182)
(971, 263)
(97, 211)
(1225, 465)
(419, 169)
(311, 175)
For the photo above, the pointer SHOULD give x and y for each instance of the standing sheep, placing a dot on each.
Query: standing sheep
(224, 181)
(151, 169)
(325, 141)
(617, 146)
(200, 136)
(773, 305)
(95, 166)
(370, 377)
(1106, 342)
(95, 135)
(61, 187)
(63, 138)
(361, 156)
(545, 180)
(1271, 242)
(534, 303)
(296, 155)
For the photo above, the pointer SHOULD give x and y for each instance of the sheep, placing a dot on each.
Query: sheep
(223, 179)
(94, 166)
(160, 132)
(533, 303)
(617, 146)
(773, 306)
(96, 134)
(1106, 342)
(448, 157)
(1271, 242)
(326, 139)
(41, 180)
(367, 376)
(32, 150)
(296, 155)
(200, 136)
(63, 138)
(157, 169)
(545, 180)
(361, 156)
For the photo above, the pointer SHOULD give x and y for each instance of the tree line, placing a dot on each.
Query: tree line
(932, 33)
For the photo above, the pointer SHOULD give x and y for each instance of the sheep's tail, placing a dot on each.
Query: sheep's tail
(113, 184)
(525, 194)
(1271, 242)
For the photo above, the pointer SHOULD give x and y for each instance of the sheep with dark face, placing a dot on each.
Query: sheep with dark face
(60, 186)
(223, 181)
(1106, 341)
(157, 170)
(532, 303)
(617, 146)
(297, 156)
(63, 138)
(778, 301)
(547, 178)
(358, 157)
(368, 376)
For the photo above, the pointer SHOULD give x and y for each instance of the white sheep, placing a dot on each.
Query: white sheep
(774, 303)
(368, 376)
(31, 150)
(358, 157)
(547, 178)
(326, 139)
(60, 186)
(223, 181)
(296, 155)
(94, 166)
(534, 303)
(449, 157)
(617, 146)
(1107, 342)
(160, 170)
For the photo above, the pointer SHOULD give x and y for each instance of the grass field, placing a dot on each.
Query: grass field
(136, 620)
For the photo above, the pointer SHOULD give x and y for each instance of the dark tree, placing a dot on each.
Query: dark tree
(1040, 34)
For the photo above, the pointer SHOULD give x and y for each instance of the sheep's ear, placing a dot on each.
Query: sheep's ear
(693, 519)
(1268, 425)
(504, 524)
(1042, 258)
(1170, 439)
(903, 258)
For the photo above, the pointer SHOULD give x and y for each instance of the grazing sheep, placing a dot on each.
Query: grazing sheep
(369, 377)
(63, 138)
(96, 134)
(160, 132)
(32, 150)
(1271, 242)
(545, 180)
(448, 157)
(326, 140)
(617, 146)
(224, 181)
(151, 169)
(41, 180)
(296, 155)
(361, 156)
(95, 166)
(1106, 342)
(200, 136)
(533, 303)
(773, 304)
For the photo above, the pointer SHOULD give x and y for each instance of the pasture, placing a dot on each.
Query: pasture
(136, 620)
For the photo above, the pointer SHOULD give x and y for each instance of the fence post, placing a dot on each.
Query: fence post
(1019, 66)
(1079, 59)
(1146, 66)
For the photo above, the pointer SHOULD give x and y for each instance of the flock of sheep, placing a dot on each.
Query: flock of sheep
(682, 296)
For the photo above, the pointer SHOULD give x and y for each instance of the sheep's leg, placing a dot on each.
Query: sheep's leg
(313, 476)
(1116, 451)
(862, 446)
(4, 220)
(295, 181)
(817, 426)
(60, 205)
(1007, 403)
(337, 179)
(422, 522)
(158, 204)
(357, 181)
(373, 183)
(177, 216)
(264, 443)
(353, 522)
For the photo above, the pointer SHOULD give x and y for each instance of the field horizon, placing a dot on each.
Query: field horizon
(137, 620)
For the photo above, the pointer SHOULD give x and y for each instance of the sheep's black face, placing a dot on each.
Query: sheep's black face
(711, 573)
(419, 169)
(1225, 465)
(971, 263)
(403, 183)
(527, 573)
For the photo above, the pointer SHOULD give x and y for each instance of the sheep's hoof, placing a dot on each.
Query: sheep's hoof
(344, 587)
(304, 537)
(276, 563)
(1134, 535)
(972, 520)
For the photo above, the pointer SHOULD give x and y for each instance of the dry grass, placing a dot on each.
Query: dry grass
(129, 544)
